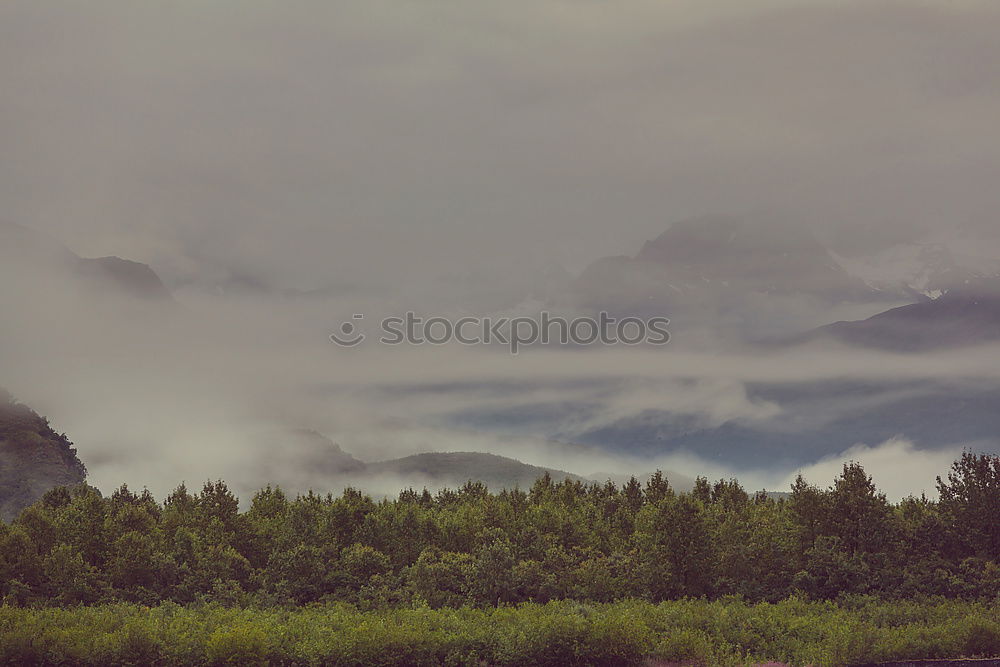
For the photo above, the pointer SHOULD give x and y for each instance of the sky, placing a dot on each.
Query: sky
(382, 144)
(390, 150)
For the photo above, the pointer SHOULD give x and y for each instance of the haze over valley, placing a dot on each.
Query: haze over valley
(181, 230)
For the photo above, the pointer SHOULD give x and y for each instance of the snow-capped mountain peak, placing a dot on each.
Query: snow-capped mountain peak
(927, 269)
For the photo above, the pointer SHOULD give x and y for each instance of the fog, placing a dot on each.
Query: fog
(336, 144)
(153, 397)
(283, 166)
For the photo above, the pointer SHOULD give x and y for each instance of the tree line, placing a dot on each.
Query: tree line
(470, 547)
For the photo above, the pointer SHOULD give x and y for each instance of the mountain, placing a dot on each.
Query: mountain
(452, 469)
(725, 275)
(722, 254)
(966, 316)
(922, 269)
(129, 278)
(33, 258)
(745, 256)
(780, 424)
(33, 458)
(817, 420)
(300, 460)
(296, 460)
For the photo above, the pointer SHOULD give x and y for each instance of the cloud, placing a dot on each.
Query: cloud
(897, 467)
(396, 145)
(443, 153)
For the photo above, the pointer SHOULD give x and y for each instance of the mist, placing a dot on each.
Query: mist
(214, 389)
(285, 167)
(337, 145)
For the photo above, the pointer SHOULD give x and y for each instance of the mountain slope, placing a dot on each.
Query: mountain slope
(452, 469)
(727, 277)
(721, 255)
(752, 257)
(969, 316)
(30, 257)
(817, 420)
(925, 269)
(300, 460)
(129, 278)
(33, 458)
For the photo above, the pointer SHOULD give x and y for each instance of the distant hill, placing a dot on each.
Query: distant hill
(131, 278)
(36, 259)
(729, 279)
(33, 458)
(300, 460)
(967, 316)
(718, 261)
(452, 469)
(921, 269)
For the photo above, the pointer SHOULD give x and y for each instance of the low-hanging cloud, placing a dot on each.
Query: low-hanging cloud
(898, 468)
(286, 166)
(410, 147)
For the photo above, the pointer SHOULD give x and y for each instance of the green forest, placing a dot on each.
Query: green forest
(561, 572)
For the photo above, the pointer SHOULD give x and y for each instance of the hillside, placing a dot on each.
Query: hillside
(730, 279)
(33, 458)
(452, 469)
(719, 261)
(302, 460)
(32, 258)
(968, 316)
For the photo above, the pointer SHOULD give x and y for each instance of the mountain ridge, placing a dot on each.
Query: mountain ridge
(33, 458)
(31, 253)
(958, 318)
(727, 254)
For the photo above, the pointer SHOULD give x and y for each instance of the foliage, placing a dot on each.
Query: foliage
(563, 573)
(723, 632)
(557, 540)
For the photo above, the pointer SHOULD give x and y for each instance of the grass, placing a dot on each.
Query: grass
(726, 632)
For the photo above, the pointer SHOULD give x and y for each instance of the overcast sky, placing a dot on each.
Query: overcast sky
(315, 143)
(456, 145)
